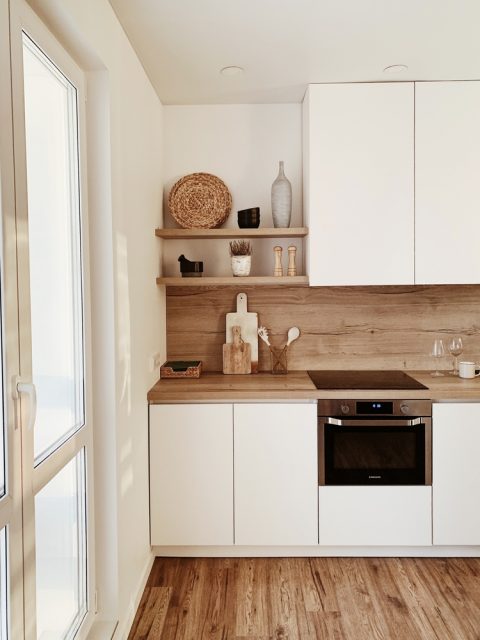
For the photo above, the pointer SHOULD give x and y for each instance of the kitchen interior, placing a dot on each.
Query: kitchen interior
(284, 446)
(366, 308)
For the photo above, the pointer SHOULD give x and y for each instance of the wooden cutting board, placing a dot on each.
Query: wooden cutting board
(248, 323)
(236, 356)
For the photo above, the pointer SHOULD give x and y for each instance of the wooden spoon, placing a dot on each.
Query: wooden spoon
(292, 335)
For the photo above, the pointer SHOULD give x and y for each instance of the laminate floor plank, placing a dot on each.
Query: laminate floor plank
(367, 612)
(180, 613)
(215, 616)
(434, 602)
(406, 593)
(286, 604)
(310, 599)
(309, 586)
(397, 615)
(153, 609)
(447, 601)
(337, 591)
(252, 619)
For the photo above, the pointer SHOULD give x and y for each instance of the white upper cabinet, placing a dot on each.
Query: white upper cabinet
(447, 182)
(359, 183)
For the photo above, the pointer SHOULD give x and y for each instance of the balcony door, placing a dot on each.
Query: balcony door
(11, 537)
(51, 377)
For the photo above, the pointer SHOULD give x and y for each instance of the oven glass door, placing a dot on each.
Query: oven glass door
(374, 454)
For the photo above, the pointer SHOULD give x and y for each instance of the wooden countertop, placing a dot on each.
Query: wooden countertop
(296, 385)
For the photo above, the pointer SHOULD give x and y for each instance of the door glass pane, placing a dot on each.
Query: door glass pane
(3, 585)
(60, 536)
(54, 249)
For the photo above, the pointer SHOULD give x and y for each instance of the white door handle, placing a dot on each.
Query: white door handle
(28, 388)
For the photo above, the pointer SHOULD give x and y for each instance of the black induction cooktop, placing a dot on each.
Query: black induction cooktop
(359, 380)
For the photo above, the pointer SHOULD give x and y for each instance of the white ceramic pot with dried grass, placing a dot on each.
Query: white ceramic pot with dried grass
(241, 265)
(241, 257)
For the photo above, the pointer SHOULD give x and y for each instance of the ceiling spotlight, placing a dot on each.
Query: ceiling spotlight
(232, 71)
(396, 68)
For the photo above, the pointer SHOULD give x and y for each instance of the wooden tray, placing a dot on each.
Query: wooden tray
(181, 369)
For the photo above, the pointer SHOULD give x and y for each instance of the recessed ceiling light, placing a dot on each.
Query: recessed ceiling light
(396, 68)
(232, 71)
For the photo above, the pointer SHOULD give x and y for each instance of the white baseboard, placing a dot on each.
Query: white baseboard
(127, 617)
(316, 552)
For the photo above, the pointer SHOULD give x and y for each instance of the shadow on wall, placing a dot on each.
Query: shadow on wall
(123, 322)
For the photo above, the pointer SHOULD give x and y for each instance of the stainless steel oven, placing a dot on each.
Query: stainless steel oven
(374, 442)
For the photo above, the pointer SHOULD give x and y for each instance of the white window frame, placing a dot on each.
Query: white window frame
(11, 503)
(23, 19)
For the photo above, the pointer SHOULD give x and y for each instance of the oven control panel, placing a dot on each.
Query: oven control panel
(366, 408)
(372, 408)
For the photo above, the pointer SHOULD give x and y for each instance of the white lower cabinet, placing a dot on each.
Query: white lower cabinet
(246, 474)
(191, 474)
(276, 474)
(375, 516)
(456, 473)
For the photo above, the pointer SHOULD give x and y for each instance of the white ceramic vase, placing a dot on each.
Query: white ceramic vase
(241, 265)
(281, 199)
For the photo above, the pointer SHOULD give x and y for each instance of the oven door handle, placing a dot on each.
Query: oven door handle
(372, 423)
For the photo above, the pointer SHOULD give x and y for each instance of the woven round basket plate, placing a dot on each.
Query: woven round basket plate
(200, 201)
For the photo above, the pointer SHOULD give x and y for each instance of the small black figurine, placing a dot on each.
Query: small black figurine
(190, 269)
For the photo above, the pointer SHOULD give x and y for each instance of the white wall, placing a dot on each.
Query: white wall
(125, 204)
(242, 145)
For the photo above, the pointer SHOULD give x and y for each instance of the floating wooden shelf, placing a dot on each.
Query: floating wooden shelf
(288, 281)
(226, 234)
(210, 234)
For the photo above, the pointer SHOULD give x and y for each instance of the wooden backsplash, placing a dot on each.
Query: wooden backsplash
(341, 327)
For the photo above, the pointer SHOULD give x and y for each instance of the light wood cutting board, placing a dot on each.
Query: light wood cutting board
(236, 356)
(248, 323)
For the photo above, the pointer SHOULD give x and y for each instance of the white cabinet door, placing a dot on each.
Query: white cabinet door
(447, 184)
(276, 474)
(375, 516)
(456, 473)
(191, 474)
(359, 183)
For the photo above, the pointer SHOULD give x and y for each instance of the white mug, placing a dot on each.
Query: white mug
(467, 370)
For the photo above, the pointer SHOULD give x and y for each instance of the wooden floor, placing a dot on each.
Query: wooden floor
(310, 598)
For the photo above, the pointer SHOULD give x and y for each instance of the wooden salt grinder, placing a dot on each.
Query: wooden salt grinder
(292, 269)
(278, 270)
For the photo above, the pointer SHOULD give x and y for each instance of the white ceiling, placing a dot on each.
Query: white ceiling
(286, 44)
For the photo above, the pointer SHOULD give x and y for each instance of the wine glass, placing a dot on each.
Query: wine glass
(438, 351)
(455, 346)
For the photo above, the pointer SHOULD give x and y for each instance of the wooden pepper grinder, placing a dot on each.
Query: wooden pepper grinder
(292, 269)
(278, 270)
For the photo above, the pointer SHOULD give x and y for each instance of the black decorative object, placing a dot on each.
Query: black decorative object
(190, 269)
(249, 218)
